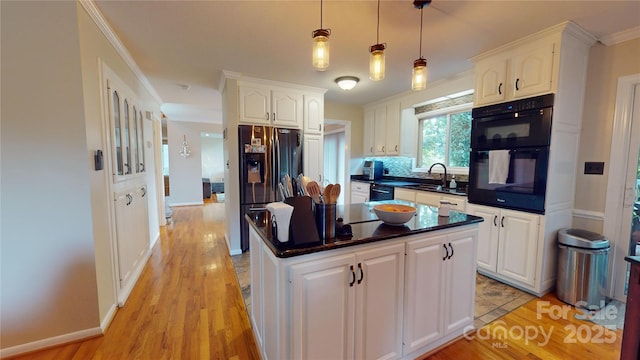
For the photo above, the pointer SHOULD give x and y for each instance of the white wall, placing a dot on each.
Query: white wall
(185, 174)
(212, 159)
(47, 263)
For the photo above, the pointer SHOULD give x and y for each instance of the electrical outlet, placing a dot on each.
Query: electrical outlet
(593, 168)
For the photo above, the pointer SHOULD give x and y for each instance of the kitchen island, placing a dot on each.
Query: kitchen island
(393, 292)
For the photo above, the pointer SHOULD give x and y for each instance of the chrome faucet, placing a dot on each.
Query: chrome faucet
(444, 179)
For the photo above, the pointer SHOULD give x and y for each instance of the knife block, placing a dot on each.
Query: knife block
(302, 226)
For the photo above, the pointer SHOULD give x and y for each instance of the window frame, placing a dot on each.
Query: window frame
(422, 168)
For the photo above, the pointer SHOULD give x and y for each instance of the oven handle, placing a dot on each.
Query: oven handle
(381, 191)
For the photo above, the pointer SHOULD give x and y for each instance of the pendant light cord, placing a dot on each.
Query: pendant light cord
(378, 28)
(421, 8)
(320, 14)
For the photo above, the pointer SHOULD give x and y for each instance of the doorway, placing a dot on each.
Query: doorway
(621, 214)
(337, 135)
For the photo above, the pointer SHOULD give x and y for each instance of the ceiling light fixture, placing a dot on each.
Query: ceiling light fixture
(376, 62)
(419, 78)
(321, 46)
(347, 82)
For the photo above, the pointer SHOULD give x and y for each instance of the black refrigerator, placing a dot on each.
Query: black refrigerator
(267, 154)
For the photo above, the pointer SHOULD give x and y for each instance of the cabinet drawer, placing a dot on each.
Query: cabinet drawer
(404, 194)
(360, 187)
(459, 202)
(428, 198)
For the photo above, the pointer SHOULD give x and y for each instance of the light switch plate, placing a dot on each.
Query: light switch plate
(593, 168)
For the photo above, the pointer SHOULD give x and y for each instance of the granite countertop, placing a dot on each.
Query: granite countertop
(414, 184)
(365, 227)
(633, 259)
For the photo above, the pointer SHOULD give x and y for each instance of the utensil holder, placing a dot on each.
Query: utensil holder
(326, 220)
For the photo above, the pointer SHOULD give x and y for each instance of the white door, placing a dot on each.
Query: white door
(517, 245)
(313, 156)
(461, 281)
(379, 287)
(622, 217)
(487, 236)
(323, 294)
(424, 281)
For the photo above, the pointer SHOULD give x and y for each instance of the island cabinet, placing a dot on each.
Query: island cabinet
(396, 298)
(439, 281)
(508, 244)
(352, 302)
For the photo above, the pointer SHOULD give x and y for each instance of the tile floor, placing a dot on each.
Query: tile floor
(493, 299)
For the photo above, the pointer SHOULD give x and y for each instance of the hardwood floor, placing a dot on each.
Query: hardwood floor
(187, 305)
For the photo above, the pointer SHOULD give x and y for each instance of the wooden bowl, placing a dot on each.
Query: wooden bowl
(394, 214)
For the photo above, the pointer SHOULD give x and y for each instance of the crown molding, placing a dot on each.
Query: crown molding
(621, 36)
(95, 14)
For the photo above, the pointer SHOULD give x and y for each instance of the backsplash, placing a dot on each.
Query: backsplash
(402, 167)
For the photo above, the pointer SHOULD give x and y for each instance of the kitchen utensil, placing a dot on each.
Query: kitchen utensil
(335, 193)
(282, 192)
(326, 194)
(287, 178)
(314, 191)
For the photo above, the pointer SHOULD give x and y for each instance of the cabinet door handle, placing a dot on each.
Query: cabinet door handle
(361, 273)
(353, 276)
(144, 191)
(502, 222)
(129, 199)
(500, 89)
(267, 116)
(141, 167)
(383, 149)
(446, 256)
(372, 149)
(517, 82)
(396, 147)
(319, 127)
(274, 117)
(495, 219)
(451, 247)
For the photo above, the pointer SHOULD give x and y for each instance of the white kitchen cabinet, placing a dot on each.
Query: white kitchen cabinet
(385, 131)
(440, 272)
(369, 132)
(507, 243)
(359, 192)
(275, 106)
(347, 300)
(313, 113)
(428, 198)
(132, 237)
(514, 74)
(313, 156)
(404, 194)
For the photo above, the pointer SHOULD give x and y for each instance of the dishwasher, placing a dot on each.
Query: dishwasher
(378, 192)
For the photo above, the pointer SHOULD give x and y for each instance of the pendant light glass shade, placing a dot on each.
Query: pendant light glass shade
(376, 62)
(321, 49)
(419, 78)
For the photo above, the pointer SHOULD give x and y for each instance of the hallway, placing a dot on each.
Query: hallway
(176, 310)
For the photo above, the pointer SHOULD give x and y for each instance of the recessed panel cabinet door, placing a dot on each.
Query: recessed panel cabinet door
(487, 236)
(287, 109)
(518, 245)
(424, 282)
(532, 71)
(322, 306)
(491, 77)
(255, 105)
(461, 281)
(379, 289)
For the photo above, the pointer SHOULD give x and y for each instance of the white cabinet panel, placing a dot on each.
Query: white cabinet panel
(313, 157)
(518, 245)
(313, 113)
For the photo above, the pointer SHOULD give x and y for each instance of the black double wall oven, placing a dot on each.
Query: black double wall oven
(509, 157)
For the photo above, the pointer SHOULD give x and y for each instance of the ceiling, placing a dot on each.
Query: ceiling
(182, 47)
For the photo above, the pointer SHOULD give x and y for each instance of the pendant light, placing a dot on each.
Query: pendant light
(419, 78)
(321, 46)
(376, 62)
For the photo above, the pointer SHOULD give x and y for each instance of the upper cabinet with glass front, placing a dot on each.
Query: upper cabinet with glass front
(127, 134)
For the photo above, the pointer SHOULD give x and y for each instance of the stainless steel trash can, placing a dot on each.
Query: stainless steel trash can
(583, 258)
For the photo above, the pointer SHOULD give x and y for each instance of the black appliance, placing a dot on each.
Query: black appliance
(379, 192)
(509, 157)
(267, 154)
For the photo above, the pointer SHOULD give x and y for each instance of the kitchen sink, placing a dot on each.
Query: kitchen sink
(436, 188)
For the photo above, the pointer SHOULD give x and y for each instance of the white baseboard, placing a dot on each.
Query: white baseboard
(231, 251)
(123, 293)
(50, 342)
(187, 203)
(104, 324)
